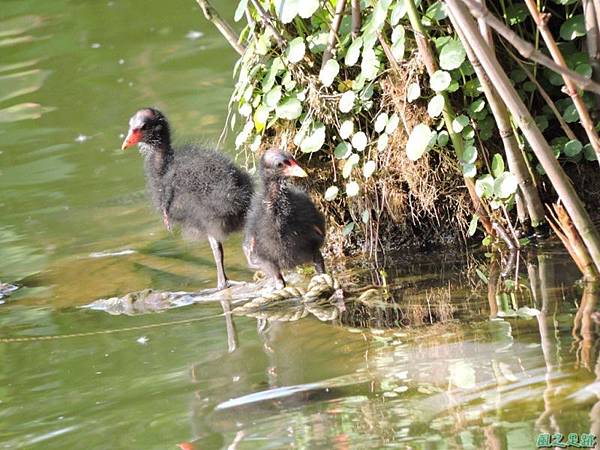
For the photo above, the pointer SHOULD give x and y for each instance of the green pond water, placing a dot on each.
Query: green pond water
(75, 226)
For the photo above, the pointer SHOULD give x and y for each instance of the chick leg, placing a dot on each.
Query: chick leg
(319, 262)
(217, 249)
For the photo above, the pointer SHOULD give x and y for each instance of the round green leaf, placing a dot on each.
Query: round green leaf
(272, 98)
(346, 129)
(398, 12)
(459, 123)
(418, 141)
(505, 185)
(342, 150)
(289, 109)
(349, 165)
(469, 154)
(307, 8)
(484, 186)
(398, 42)
(296, 50)
(287, 9)
(240, 10)
(382, 142)
(440, 80)
(573, 28)
(260, 117)
(329, 72)
(314, 141)
(352, 189)
(347, 101)
(497, 165)
(442, 138)
(589, 153)
(359, 141)
(452, 55)
(369, 66)
(413, 92)
(469, 170)
(573, 148)
(331, 193)
(435, 106)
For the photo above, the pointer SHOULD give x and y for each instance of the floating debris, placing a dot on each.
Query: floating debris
(96, 45)
(192, 35)
(142, 340)
(81, 138)
(6, 289)
(109, 253)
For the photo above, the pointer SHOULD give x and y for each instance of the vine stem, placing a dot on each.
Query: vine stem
(224, 28)
(526, 49)
(448, 112)
(541, 20)
(561, 183)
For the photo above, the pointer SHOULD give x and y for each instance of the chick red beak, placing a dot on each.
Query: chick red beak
(294, 170)
(133, 137)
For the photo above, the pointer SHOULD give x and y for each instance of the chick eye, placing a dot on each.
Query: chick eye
(280, 164)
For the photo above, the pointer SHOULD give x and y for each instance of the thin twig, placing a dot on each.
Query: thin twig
(268, 23)
(356, 18)
(561, 183)
(333, 32)
(224, 28)
(526, 49)
(541, 20)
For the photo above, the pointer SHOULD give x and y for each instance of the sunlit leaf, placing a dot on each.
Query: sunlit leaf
(369, 168)
(272, 98)
(398, 42)
(346, 129)
(308, 8)
(497, 165)
(296, 50)
(473, 225)
(286, 10)
(573, 148)
(381, 121)
(435, 105)
(418, 141)
(440, 80)
(573, 28)
(329, 72)
(436, 12)
(505, 185)
(314, 141)
(469, 154)
(352, 189)
(484, 186)
(452, 55)
(382, 142)
(347, 101)
(348, 229)
(342, 150)
(289, 109)
(442, 138)
(353, 52)
(240, 10)
(469, 170)
(369, 65)
(398, 12)
(359, 141)
(413, 92)
(392, 123)
(459, 123)
(260, 117)
(331, 193)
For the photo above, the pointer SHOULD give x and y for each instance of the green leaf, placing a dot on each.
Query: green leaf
(347, 101)
(346, 129)
(359, 141)
(369, 66)
(497, 165)
(352, 189)
(260, 117)
(348, 229)
(296, 50)
(435, 105)
(369, 168)
(459, 123)
(473, 225)
(314, 141)
(469, 154)
(476, 107)
(329, 72)
(353, 52)
(413, 92)
(516, 13)
(349, 165)
(289, 109)
(342, 150)
(418, 141)
(484, 186)
(469, 170)
(571, 115)
(286, 10)
(365, 216)
(589, 153)
(272, 98)
(436, 12)
(572, 148)
(452, 55)
(381, 121)
(398, 42)
(442, 138)
(392, 123)
(331, 193)
(573, 28)
(505, 185)
(440, 80)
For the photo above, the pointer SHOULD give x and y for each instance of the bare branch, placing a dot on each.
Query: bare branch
(333, 32)
(225, 29)
(356, 18)
(268, 23)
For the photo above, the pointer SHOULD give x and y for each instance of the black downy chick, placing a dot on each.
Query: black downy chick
(198, 188)
(284, 228)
